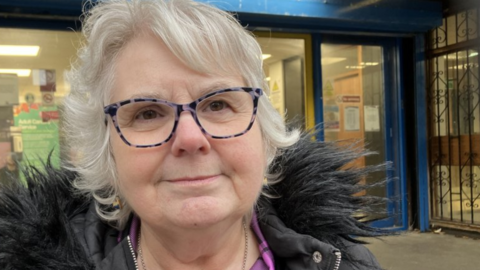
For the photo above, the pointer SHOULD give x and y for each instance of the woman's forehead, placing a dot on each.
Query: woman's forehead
(179, 92)
(147, 68)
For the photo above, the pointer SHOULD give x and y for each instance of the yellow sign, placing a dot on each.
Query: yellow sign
(328, 89)
(275, 87)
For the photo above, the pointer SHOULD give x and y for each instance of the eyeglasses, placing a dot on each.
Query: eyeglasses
(150, 122)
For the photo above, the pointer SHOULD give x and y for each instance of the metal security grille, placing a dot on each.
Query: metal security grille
(454, 119)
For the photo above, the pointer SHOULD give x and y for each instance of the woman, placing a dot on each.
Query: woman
(179, 146)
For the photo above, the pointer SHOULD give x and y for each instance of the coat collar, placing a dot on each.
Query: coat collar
(291, 249)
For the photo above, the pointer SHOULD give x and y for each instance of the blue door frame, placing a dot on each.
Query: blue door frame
(396, 185)
(421, 132)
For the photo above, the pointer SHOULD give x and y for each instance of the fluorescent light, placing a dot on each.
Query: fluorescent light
(19, 72)
(460, 55)
(19, 50)
(266, 56)
(369, 63)
(355, 67)
(332, 60)
(267, 79)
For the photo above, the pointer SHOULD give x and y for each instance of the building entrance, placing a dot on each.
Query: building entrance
(359, 110)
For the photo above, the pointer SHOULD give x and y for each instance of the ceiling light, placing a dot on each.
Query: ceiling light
(355, 67)
(19, 72)
(266, 56)
(19, 50)
(332, 60)
(473, 54)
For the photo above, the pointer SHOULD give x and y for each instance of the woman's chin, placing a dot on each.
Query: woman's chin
(200, 212)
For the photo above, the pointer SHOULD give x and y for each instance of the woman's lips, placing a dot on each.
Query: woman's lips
(191, 181)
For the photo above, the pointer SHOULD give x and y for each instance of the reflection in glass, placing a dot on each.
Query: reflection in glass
(284, 67)
(353, 102)
(32, 67)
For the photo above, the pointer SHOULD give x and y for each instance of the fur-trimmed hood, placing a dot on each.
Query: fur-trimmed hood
(34, 222)
(315, 198)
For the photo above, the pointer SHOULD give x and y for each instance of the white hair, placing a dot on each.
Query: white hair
(201, 36)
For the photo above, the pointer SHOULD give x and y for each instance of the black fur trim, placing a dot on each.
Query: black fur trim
(34, 230)
(316, 194)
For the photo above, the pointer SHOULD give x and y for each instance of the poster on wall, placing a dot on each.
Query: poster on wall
(352, 118)
(372, 118)
(276, 97)
(8, 89)
(328, 93)
(45, 78)
(331, 111)
(39, 129)
(331, 118)
(276, 84)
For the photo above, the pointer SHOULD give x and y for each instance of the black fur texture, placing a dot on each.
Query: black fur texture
(34, 230)
(317, 194)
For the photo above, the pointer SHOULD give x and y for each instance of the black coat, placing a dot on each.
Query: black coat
(311, 225)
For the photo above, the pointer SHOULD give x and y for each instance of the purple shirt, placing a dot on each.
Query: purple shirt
(264, 262)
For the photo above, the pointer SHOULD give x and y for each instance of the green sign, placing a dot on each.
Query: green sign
(39, 133)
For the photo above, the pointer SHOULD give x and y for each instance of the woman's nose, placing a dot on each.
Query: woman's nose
(188, 137)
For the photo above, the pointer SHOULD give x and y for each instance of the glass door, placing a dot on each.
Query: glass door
(357, 93)
(287, 64)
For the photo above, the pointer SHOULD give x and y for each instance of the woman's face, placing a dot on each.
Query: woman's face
(192, 180)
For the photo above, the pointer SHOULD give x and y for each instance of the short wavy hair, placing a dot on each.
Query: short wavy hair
(201, 36)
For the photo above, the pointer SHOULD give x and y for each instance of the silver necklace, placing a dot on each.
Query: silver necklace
(142, 260)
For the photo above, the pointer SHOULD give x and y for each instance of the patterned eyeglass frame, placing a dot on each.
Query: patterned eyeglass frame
(112, 109)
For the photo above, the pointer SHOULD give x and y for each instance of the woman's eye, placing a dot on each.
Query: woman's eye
(217, 105)
(147, 115)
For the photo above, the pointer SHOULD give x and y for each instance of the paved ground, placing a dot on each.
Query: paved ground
(426, 251)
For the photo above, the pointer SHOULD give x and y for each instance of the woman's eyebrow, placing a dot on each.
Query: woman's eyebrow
(154, 95)
(218, 85)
